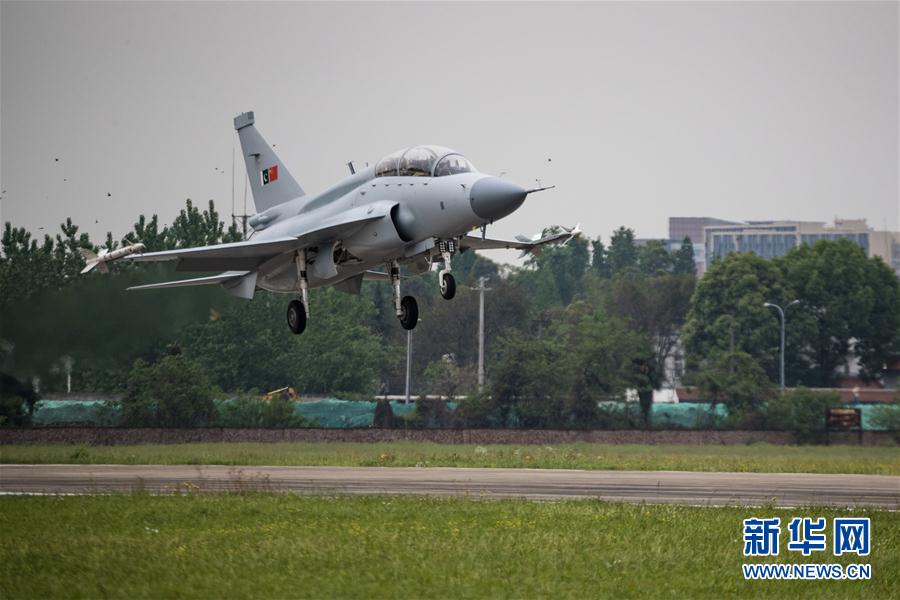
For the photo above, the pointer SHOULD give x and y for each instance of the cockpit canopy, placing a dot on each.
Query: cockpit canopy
(423, 161)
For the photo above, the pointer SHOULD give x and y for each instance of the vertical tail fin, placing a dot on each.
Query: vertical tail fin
(270, 181)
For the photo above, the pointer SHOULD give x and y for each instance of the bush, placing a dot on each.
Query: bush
(887, 417)
(478, 410)
(448, 379)
(16, 401)
(253, 411)
(175, 392)
(802, 411)
(431, 413)
(384, 414)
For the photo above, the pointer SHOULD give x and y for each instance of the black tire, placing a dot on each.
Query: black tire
(410, 312)
(448, 286)
(296, 317)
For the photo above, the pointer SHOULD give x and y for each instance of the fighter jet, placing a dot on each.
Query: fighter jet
(415, 208)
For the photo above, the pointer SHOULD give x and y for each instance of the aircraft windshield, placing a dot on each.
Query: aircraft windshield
(387, 166)
(453, 164)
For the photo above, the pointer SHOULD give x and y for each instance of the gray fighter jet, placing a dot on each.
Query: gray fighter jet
(415, 207)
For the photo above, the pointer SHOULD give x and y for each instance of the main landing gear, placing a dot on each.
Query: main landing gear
(406, 308)
(445, 278)
(298, 311)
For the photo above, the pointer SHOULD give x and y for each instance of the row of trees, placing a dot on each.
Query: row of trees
(577, 325)
(848, 309)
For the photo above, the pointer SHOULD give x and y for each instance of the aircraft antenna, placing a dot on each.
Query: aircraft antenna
(243, 216)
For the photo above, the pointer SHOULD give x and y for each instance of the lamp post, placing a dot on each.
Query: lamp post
(781, 315)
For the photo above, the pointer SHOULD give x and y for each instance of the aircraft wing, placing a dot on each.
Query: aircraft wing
(247, 255)
(243, 255)
(526, 245)
(221, 278)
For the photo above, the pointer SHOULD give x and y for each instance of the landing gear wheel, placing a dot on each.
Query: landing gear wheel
(448, 286)
(410, 312)
(296, 316)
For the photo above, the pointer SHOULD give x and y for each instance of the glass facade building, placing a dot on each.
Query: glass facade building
(772, 239)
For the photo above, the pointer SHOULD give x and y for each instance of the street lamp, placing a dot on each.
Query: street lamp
(781, 315)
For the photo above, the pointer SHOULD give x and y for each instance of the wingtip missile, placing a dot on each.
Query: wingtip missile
(101, 261)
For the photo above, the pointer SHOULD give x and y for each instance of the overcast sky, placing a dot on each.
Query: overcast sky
(733, 110)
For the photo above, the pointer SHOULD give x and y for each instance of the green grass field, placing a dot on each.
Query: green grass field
(281, 545)
(750, 458)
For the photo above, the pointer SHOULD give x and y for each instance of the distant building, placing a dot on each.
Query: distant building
(714, 238)
(771, 239)
(692, 228)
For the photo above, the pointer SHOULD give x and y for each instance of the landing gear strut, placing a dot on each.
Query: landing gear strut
(445, 278)
(298, 311)
(406, 308)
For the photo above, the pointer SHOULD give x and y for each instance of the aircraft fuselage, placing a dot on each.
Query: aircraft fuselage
(423, 209)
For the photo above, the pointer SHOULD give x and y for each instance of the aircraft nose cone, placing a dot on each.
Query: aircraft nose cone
(493, 198)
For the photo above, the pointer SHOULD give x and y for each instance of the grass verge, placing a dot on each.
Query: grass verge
(280, 545)
(763, 458)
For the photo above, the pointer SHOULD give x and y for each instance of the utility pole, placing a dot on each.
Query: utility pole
(781, 315)
(481, 290)
(408, 360)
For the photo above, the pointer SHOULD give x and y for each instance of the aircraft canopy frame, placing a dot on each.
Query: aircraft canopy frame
(423, 161)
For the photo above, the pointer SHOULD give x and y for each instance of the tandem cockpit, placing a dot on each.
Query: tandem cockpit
(423, 161)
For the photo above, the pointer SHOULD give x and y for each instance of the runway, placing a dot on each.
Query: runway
(694, 488)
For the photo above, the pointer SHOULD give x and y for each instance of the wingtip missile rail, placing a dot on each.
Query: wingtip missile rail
(101, 261)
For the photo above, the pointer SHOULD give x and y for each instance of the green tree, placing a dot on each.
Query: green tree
(610, 358)
(683, 259)
(727, 312)
(26, 268)
(656, 307)
(253, 411)
(66, 251)
(247, 346)
(599, 260)
(175, 392)
(149, 234)
(557, 272)
(193, 228)
(622, 253)
(448, 379)
(850, 305)
(737, 380)
(525, 380)
(17, 401)
(654, 258)
(802, 411)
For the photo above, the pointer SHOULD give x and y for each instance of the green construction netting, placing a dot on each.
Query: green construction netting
(73, 412)
(343, 414)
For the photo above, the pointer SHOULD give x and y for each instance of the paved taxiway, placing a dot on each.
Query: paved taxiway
(782, 489)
